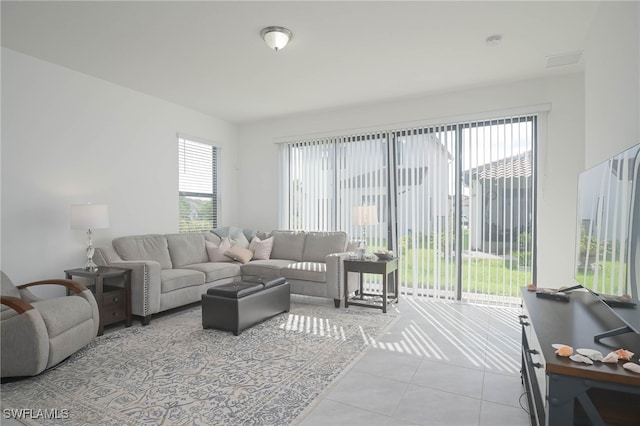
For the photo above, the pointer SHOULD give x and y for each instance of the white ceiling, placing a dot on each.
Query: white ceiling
(209, 56)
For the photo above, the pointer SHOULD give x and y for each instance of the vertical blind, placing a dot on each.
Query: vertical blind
(454, 201)
(197, 185)
(323, 180)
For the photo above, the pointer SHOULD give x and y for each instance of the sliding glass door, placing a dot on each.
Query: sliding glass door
(498, 207)
(456, 202)
(425, 204)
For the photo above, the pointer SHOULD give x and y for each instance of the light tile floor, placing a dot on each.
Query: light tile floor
(441, 363)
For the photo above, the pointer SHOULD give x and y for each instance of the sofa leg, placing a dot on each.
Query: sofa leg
(146, 320)
(336, 302)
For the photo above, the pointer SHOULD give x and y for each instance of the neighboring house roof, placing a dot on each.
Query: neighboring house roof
(511, 167)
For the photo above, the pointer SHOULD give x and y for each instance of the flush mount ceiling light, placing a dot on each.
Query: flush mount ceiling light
(276, 37)
(494, 40)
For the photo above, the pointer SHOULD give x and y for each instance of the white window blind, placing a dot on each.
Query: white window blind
(197, 185)
(455, 201)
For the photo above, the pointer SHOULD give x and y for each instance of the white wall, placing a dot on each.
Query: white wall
(561, 154)
(70, 138)
(612, 82)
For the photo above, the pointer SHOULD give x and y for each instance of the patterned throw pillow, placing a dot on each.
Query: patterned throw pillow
(261, 248)
(217, 252)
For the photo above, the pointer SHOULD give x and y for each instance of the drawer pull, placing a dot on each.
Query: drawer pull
(537, 364)
(532, 351)
(115, 299)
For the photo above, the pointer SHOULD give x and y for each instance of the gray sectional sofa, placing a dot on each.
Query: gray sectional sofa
(173, 270)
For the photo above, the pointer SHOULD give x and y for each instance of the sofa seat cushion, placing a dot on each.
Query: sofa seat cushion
(215, 271)
(306, 271)
(269, 268)
(175, 279)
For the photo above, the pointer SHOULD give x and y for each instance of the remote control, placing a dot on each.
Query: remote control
(558, 295)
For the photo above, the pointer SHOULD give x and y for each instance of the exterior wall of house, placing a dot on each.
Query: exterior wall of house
(70, 138)
(500, 213)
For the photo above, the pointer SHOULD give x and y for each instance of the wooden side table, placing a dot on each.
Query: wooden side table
(112, 289)
(386, 268)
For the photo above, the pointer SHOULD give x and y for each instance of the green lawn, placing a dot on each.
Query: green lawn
(607, 273)
(426, 269)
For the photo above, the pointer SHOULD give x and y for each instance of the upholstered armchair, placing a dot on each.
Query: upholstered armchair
(36, 334)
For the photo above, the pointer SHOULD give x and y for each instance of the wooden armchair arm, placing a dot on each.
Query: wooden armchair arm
(16, 303)
(74, 286)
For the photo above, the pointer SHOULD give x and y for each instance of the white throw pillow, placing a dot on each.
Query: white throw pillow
(261, 248)
(217, 252)
(239, 254)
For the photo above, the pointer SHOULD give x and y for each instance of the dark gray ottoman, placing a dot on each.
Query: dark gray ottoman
(237, 306)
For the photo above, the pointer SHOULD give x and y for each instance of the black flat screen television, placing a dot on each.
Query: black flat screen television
(608, 236)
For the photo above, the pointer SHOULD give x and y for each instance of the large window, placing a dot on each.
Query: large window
(197, 185)
(455, 201)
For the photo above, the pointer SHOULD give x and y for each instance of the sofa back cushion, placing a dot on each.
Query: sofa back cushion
(287, 245)
(144, 247)
(187, 249)
(319, 245)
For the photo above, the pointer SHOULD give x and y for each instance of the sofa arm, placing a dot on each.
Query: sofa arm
(145, 280)
(335, 276)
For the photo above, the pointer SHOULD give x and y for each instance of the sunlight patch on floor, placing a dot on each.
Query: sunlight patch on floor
(483, 336)
(313, 325)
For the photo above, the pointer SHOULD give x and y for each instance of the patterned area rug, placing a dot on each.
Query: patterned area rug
(173, 372)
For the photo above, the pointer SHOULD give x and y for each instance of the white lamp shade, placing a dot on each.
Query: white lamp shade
(276, 37)
(365, 215)
(89, 216)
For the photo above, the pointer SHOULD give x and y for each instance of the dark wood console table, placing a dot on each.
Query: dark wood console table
(605, 393)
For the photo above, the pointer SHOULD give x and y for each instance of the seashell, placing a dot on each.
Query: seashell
(563, 350)
(632, 367)
(624, 354)
(591, 353)
(581, 358)
(611, 357)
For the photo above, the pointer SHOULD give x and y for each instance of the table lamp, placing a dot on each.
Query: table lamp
(89, 216)
(364, 216)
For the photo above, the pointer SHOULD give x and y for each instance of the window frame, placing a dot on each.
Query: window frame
(193, 146)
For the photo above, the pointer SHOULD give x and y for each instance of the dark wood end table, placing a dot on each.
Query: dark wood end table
(386, 268)
(112, 289)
